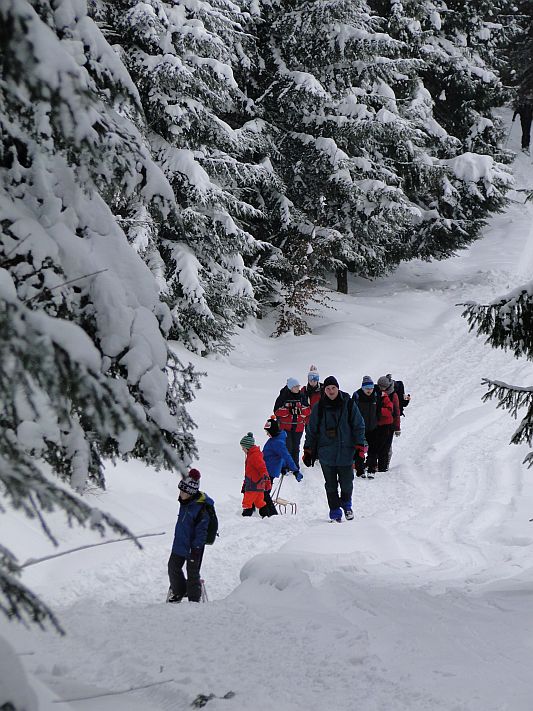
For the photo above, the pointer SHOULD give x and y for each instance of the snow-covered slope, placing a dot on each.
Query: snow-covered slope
(423, 602)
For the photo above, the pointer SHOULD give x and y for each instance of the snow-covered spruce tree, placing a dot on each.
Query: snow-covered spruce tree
(459, 44)
(520, 50)
(455, 186)
(181, 56)
(508, 323)
(369, 171)
(321, 66)
(86, 373)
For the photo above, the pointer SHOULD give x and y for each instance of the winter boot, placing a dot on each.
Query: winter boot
(172, 597)
(335, 515)
(247, 512)
(348, 511)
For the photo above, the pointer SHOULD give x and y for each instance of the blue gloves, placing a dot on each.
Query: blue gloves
(298, 476)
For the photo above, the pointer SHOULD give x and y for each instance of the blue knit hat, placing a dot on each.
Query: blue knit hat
(312, 375)
(292, 383)
(367, 382)
(247, 441)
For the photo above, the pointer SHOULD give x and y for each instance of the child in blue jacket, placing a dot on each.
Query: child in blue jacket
(275, 452)
(189, 540)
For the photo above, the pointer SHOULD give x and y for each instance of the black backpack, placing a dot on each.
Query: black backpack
(399, 389)
(212, 526)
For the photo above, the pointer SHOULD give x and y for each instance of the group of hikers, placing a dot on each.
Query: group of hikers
(344, 433)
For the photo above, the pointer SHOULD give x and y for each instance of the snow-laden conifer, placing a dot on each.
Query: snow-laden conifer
(86, 371)
(322, 65)
(508, 323)
(181, 57)
(457, 178)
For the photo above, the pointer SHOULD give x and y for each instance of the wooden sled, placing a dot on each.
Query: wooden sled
(282, 504)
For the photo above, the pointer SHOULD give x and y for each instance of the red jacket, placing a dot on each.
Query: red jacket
(396, 411)
(293, 415)
(312, 395)
(385, 414)
(255, 472)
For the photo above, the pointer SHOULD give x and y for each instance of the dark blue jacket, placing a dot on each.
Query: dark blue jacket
(191, 526)
(276, 455)
(338, 447)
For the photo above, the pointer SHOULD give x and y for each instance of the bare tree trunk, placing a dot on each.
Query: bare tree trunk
(342, 280)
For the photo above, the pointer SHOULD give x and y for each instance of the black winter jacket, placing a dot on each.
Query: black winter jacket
(368, 407)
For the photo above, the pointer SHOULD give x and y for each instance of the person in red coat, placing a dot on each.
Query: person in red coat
(292, 410)
(257, 482)
(388, 426)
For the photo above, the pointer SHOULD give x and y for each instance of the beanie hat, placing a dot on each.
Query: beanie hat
(331, 380)
(385, 382)
(313, 373)
(190, 483)
(247, 441)
(292, 383)
(367, 382)
(272, 426)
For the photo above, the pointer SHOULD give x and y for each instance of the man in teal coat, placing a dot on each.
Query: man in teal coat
(334, 434)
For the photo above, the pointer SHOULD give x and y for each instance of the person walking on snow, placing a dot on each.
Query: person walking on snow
(313, 389)
(368, 399)
(388, 426)
(189, 540)
(334, 433)
(292, 410)
(256, 479)
(524, 109)
(277, 457)
(275, 453)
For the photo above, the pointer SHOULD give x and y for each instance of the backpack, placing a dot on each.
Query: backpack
(399, 389)
(212, 526)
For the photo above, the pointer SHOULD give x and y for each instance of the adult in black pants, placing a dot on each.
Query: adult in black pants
(368, 399)
(524, 109)
(292, 411)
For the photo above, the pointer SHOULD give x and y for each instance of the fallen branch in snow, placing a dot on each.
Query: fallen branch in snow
(201, 700)
(112, 693)
(33, 561)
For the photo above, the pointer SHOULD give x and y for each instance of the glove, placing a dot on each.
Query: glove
(298, 476)
(242, 488)
(397, 433)
(360, 450)
(307, 458)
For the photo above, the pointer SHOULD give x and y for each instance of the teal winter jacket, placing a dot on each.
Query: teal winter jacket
(334, 430)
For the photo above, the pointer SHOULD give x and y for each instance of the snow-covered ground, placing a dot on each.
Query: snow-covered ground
(422, 602)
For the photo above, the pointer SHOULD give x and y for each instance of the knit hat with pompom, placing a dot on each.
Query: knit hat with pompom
(272, 426)
(312, 375)
(190, 484)
(247, 441)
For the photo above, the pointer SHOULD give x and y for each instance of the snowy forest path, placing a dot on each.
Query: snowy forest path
(398, 604)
